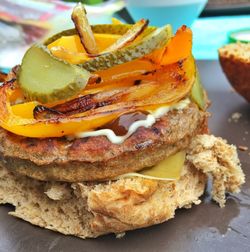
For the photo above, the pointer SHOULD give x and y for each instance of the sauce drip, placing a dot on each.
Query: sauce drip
(121, 125)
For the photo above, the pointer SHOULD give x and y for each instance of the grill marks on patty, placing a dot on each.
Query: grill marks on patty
(96, 157)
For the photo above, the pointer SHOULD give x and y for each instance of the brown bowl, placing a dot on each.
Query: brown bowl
(235, 62)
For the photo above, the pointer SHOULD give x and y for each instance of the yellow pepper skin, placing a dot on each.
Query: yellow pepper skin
(70, 49)
(31, 127)
(19, 119)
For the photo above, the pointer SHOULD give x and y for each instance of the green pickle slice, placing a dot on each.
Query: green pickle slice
(118, 29)
(198, 92)
(45, 78)
(146, 45)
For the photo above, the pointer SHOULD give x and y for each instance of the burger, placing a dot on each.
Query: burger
(104, 130)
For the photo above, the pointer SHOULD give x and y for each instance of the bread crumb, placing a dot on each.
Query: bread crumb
(120, 235)
(242, 148)
(236, 116)
(58, 191)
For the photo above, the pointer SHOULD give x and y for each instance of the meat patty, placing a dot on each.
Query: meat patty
(96, 158)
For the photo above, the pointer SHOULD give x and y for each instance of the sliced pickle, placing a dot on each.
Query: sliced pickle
(118, 29)
(44, 78)
(198, 92)
(168, 169)
(146, 45)
(84, 29)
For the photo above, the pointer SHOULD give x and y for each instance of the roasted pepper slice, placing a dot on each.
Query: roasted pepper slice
(23, 125)
(17, 119)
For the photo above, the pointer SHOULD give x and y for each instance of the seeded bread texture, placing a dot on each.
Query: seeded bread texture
(91, 209)
(215, 157)
(235, 62)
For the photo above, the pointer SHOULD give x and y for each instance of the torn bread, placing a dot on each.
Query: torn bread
(91, 209)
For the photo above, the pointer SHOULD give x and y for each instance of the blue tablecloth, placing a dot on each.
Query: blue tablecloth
(212, 32)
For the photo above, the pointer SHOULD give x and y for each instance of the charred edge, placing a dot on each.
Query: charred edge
(42, 112)
(93, 105)
(149, 72)
(180, 63)
(3, 76)
(94, 79)
(10, 84)
(98, 80)
(145, 24)
(143, 27)
(16, 69)
(80, 105)
(137, 82)
(178, 77)
(75, 20)
(104, 103)
(156, 131)
(75, 104)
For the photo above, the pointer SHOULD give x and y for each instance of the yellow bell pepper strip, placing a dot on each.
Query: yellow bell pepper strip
(116, 21)
(70, 49)
(71, 57)
(166, 84)
(72, 43)
(29, 127)
(179, 46)
(24, 110)
(18, 118)
(126, 74)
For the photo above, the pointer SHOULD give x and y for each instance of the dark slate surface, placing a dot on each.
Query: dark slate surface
(205, 227)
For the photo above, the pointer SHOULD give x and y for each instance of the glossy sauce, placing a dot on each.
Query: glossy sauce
(147, 122)
(121, 125)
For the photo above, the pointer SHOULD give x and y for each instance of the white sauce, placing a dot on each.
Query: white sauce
(148, 122)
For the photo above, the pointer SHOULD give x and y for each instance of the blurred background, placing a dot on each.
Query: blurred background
(214, 22)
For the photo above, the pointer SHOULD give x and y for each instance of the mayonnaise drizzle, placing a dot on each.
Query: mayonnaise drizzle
(148, 122)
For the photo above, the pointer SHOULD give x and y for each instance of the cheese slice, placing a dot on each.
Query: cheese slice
(167, 170)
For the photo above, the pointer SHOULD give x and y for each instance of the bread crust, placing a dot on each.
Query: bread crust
(235, 61)
(90, 209)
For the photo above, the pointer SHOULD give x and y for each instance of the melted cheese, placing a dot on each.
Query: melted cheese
(168, 169)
